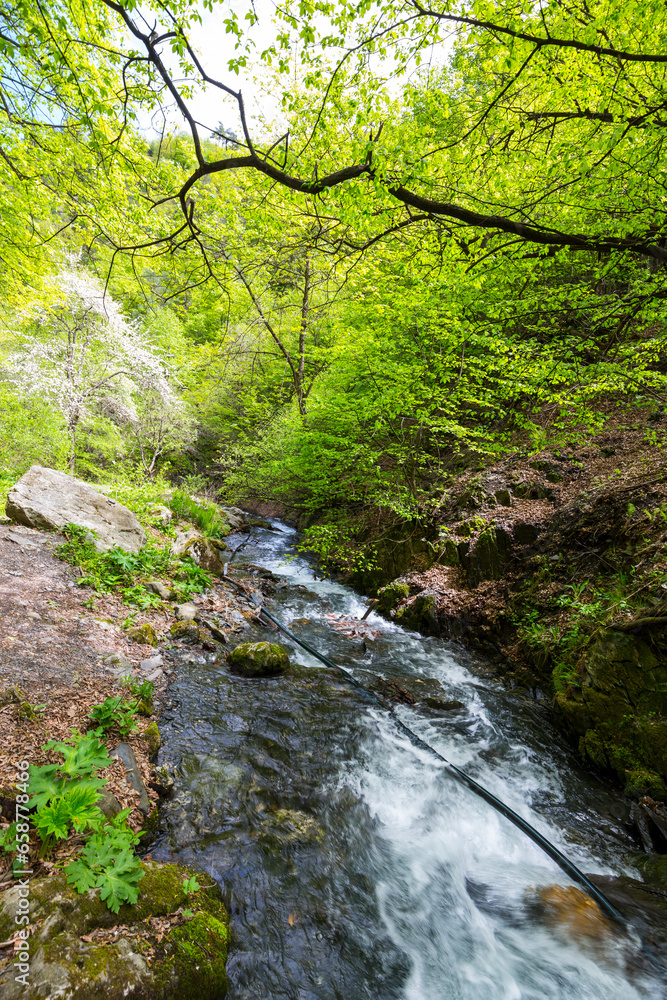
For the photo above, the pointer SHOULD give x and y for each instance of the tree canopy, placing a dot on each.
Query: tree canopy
(411, 232)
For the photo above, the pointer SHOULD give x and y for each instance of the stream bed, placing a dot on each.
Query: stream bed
(353, 865)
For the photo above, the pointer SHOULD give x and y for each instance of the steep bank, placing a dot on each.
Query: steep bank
(554, 567)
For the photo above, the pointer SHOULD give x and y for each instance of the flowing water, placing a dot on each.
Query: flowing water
(353, 865)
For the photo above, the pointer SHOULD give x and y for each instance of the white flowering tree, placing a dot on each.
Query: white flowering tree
(81, 354)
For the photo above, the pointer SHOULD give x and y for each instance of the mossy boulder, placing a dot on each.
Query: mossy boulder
(392, 595)
(449, 553)
(617, 706)
(467, 529)
(136, 962)
(484, 560)
(144, 634)
(420, 614)
(258, 659)
(188, 631)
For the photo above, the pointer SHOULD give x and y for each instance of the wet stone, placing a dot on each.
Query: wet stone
(258, 659)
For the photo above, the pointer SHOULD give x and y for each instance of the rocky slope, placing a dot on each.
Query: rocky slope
(555, 569)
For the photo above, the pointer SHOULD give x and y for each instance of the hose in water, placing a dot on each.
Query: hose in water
(567, 866)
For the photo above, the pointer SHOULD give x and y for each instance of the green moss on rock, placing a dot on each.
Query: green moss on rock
(618, 710)
(189, 961)
(258, 659)
(420, 615)
(144, 634)
(152, 736)
(449, 556)
(392, 595)
(187, 631)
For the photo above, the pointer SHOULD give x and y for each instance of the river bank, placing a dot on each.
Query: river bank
(334, 849)
(553, 568)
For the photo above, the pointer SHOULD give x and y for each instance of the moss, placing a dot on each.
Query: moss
(392, 595)
(144, 634)
(420, 614)
(258, 659)
(152, 736)
(470, 527)
(449, 556)
(188, 631)
(640, 781)
(195, 954)
(188, 962)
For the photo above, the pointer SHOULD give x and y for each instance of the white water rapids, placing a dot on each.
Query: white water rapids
(416, 889)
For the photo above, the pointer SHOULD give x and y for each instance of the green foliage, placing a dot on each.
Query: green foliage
(114, 569)
(107, 863)
(202, 513)
(8, 841)
(142, 690)
(191, 578)
(336, 549)
(115, 711)
(65, 795)
(32, 433)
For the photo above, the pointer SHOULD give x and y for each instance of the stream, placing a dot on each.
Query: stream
(352, 865)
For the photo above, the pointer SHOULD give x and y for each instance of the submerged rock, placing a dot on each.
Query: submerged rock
(258, 659)
(45, 498)
(123, 955)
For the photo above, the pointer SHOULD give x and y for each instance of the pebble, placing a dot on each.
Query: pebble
(151, 663)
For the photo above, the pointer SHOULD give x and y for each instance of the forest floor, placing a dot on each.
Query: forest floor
(63, 650)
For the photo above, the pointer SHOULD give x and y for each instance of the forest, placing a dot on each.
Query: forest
(419, 240)
(372, 295)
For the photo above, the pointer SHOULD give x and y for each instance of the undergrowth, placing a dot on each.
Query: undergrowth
(127, 572)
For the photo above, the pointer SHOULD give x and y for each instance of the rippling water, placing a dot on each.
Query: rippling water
(353, 865)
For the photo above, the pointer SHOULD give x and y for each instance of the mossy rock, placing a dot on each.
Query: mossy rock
(258, 659)
(484, 560)
(449, 555)
(144, 634)
(392, 595)
(187, 963)
(152, 736)
(618, 709)
(467, 529)
(188, 631)
(420, 615)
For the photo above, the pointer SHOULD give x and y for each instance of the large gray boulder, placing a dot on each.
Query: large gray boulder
(45, 498)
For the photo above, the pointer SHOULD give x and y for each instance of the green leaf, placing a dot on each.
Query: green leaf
(81, 876)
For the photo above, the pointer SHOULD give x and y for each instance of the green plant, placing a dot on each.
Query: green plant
(8, 842)
(108, 863)
(116, 569)
(114, 711)
(204, 514)
(28, 711)
(191, 885)
(191, 578)
(65, 795)
(142, 691)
